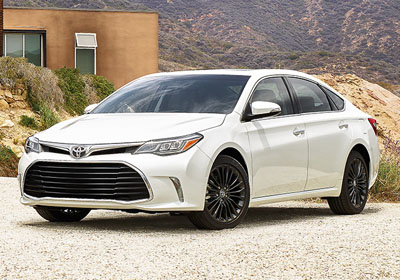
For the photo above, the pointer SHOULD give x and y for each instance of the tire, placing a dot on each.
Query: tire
(57, 214)
(354, 194)
(227, 197)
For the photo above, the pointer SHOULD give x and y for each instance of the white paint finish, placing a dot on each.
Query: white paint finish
(278, 151)
(329, 137)
(262, 108)
(122, 128)
(279, 157)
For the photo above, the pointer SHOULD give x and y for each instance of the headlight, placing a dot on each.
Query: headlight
(170, 146)
(32, 145)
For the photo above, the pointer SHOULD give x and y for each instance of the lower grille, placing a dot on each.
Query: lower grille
(115, 181)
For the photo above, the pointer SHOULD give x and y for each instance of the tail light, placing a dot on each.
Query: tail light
(374, 125)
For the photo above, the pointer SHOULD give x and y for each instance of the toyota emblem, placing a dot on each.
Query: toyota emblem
(78, 151)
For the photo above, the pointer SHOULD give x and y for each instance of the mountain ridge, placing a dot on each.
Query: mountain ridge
(350, 36)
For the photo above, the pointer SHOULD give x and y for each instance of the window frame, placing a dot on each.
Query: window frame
(325, 89)
(87, 48)
(246, 108)
(24, 32)
(331, 104)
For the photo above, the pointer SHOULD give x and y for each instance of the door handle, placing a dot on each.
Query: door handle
(298, 132)
(343, 125)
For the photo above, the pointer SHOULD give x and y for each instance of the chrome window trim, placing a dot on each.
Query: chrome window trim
(289, 115)
(322, 88)
(37, 199)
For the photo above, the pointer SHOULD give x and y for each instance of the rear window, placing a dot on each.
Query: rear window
(336, 100)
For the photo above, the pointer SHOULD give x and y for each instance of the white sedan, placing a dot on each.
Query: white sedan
(208, 144)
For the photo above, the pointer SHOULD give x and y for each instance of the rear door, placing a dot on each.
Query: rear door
(278, 145)
(327, 130)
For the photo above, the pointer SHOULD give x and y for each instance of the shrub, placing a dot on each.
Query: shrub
(28, 122)
(41, 83)
(293, 56)
(72, 85)
(48, 117)
(102, 86)
(387, 185)
(387, 86)
(8, 162)
(323, 53)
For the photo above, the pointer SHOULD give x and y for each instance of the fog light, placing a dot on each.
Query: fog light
(178, 188)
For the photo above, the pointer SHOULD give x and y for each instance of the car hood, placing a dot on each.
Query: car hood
(123, 128)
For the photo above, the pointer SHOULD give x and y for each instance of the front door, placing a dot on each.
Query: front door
(278, 144)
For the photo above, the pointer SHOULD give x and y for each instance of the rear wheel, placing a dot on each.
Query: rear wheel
(354, 194)
(227, 196)
(58, 214)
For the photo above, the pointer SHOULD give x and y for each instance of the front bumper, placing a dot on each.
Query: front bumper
(191, 168)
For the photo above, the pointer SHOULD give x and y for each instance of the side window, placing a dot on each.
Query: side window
(273, 90)
(336, 100)
(310, 96)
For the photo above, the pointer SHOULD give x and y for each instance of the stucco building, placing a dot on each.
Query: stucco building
(119, 45)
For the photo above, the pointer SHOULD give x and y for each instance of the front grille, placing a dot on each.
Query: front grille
(107, 151)
(115, 181)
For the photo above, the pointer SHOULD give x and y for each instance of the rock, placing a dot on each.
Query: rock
(18, 141)
(19, 105)
(18, 98)
(7, 124)
(4, 105)
(8, 94)
(18, 150)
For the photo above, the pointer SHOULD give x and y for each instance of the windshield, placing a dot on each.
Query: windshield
(180, 94)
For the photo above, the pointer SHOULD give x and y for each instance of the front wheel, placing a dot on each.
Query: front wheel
(58, 214)
(227, 196)
(354, 194)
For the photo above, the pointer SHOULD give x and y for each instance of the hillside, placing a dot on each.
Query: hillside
(371, 98)
(354, 36)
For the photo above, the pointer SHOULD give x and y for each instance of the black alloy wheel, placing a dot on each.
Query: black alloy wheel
(227, 196)
(357, 182)
(354, 193)
(59, 214)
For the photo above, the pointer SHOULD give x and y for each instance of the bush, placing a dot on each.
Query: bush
(41, 83)
(48, 117)
(72, 85)
(102, 86)
(387, 86)
(28, 122)
(8, 162)
(387, 185)
(293, 56)
(323, 53)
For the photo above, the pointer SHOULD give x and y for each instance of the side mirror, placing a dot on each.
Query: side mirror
(262, 109)
(90, 108)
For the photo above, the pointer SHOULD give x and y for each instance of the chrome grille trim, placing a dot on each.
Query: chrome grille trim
(65, 148)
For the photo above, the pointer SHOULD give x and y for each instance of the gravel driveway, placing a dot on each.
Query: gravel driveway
(295, 240)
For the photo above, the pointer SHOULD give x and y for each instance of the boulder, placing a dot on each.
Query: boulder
(7, 124)
(19, 105)
(4, 105)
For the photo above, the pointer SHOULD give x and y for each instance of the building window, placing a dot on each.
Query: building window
(85, 52)
(28, 45)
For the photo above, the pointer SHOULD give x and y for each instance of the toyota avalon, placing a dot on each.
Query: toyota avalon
(207, 144)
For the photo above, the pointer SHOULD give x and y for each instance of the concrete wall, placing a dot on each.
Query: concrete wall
(127, 41)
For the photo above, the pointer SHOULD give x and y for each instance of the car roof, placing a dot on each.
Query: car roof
(244, 72)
